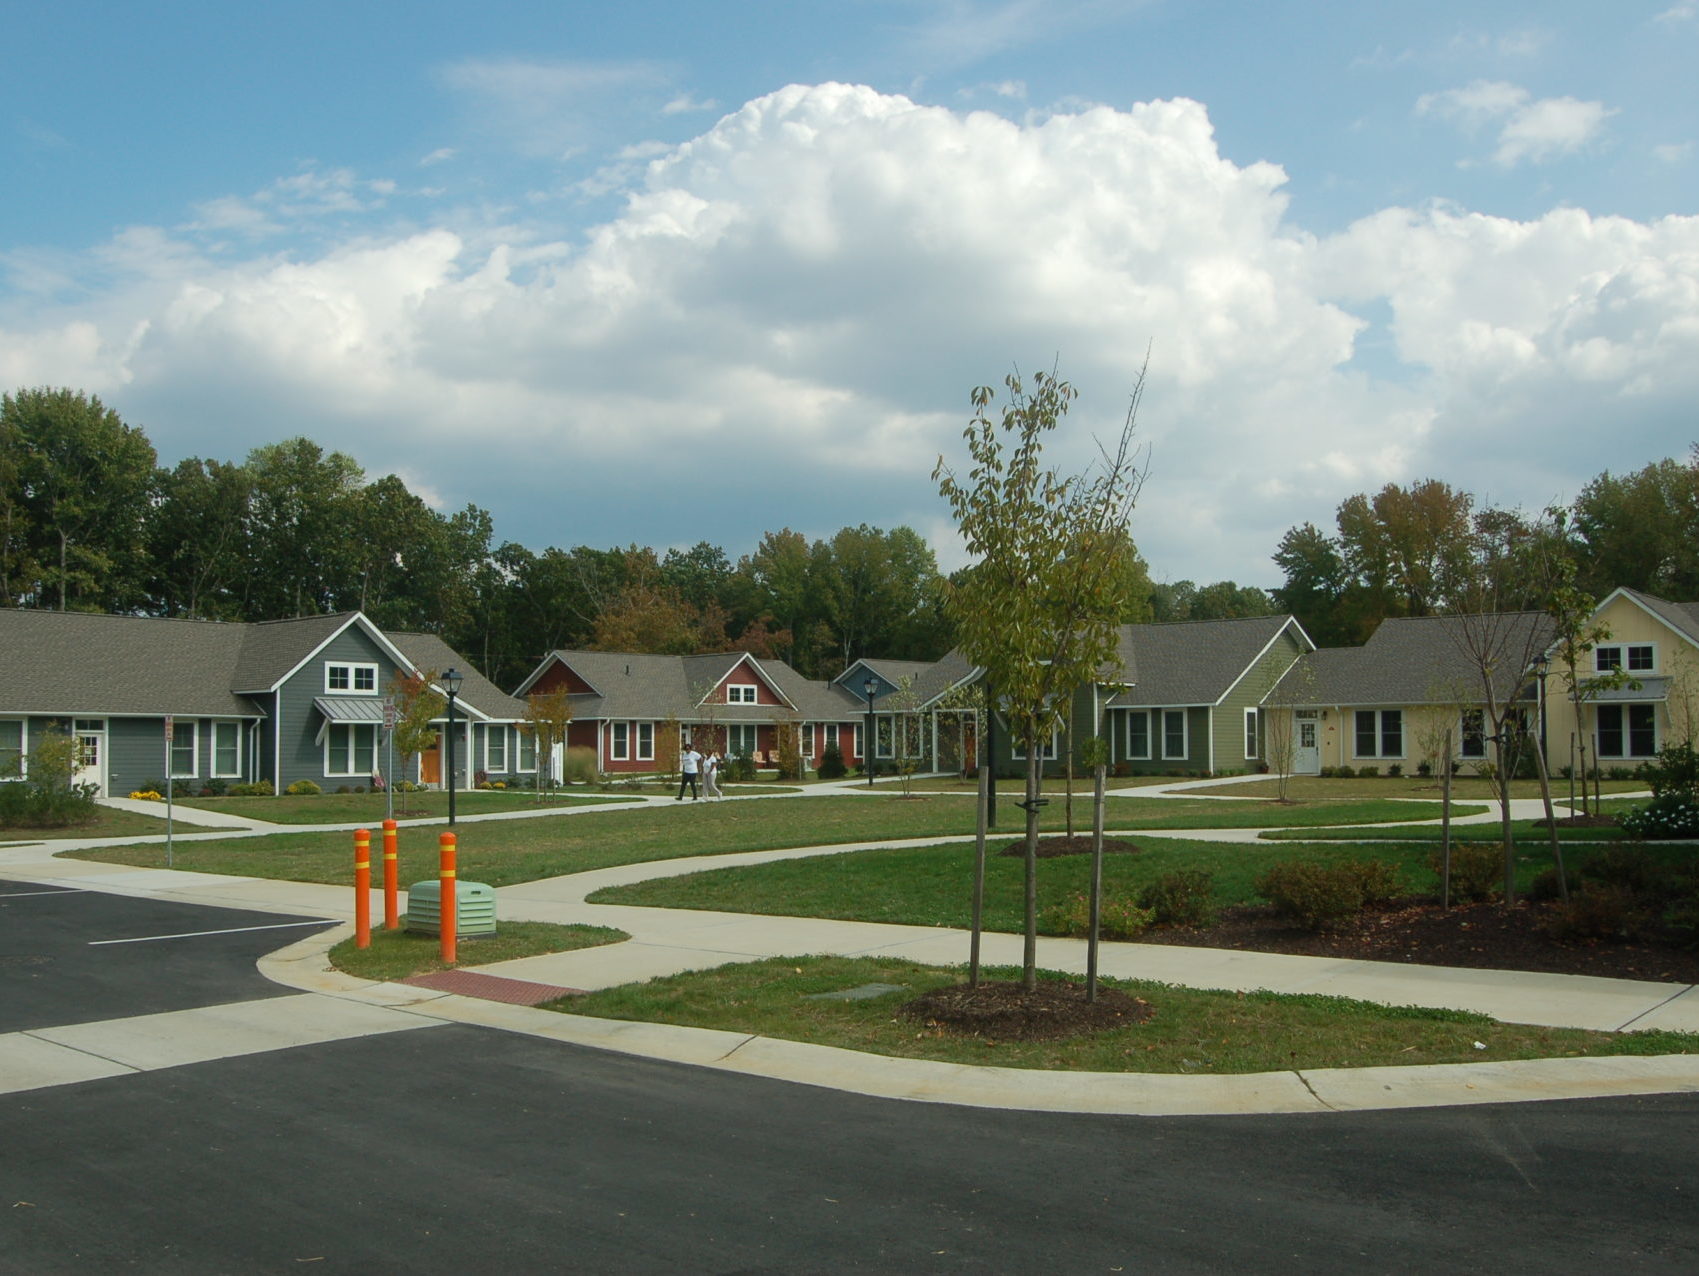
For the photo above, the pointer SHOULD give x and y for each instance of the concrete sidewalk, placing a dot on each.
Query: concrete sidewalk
(667, 941)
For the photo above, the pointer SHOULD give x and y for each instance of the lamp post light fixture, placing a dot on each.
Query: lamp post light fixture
(870, 688)
(451, 686)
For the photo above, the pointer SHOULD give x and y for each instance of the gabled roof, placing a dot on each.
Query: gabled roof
(274, 649)
(1192, 662)
(1418, 660)
(428, 653)
(638, 686)
(1681, 617)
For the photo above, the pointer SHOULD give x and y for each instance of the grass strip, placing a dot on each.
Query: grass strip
(398, 954)
(351, 808)
(108, 822)
(1524, 831)
(1192, 1030)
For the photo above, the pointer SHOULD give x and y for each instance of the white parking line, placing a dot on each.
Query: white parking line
(196, 934)
(27, 894)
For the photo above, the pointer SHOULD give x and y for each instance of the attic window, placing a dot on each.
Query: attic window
(351, 678)
(740, 693)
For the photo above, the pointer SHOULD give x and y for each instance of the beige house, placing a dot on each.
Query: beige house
(1655, 645)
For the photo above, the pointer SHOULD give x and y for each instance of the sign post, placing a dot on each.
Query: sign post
(170, 732)
(389, 719)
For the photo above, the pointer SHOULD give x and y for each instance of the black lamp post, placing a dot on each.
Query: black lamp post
(451, 684)
(869, 688)
(1542, 665)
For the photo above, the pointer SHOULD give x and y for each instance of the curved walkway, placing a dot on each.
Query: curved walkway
(665, 941)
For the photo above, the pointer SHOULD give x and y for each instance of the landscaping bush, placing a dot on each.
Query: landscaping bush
(259, 788)
(740, 768)
(1319, 896)
(1345, 773)
(306, 788)
(579, 766)
(1182, 898)
(1674, 771)
(1601, 911)
(1670, 815)
(1368, 773)
(1477, 870)
(832, 764)
(1396, 771)
(1328, 773)
(1118, 918)
(1123, 770)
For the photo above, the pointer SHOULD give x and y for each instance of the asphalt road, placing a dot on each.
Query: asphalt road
(456, 1148)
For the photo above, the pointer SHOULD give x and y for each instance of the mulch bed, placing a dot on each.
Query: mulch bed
(1079, 844)
(1477, 936)
(1003, 1011)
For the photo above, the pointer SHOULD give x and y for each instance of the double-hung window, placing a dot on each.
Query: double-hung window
(807, 742)
(351, 679)
(1138, 733)
(742, 737)
(1473, 734)
(831, 735)
(351, 748)
(226, 749)
(1627, 731)
(495, 748)
(12, 748)
(1251, 733)
(1174, 741)
(619, 743)
(1380, 733)
(740, 693)
(645, 741)
(1049, 753)
(1634, 657)
(185, 737)
(527, 751)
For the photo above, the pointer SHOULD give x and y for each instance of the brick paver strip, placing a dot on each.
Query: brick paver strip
(471, 983)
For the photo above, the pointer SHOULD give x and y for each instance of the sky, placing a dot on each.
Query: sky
(660, 273)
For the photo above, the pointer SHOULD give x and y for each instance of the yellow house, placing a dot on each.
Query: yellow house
(1655, 646)
(1396, 700)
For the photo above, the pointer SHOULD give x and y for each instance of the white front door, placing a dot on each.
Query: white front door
(1306, 747)
(91, 754)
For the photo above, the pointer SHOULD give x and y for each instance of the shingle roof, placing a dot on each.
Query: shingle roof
(1681, 617)
(1419, 660)
(271, 648)
(639, 686)
(1190, 662)
(82, 662)
(430, 654)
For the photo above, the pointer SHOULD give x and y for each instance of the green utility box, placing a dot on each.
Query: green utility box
(474, 909)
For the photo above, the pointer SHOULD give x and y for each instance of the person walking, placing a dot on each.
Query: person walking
(689, 764)
(711, 775)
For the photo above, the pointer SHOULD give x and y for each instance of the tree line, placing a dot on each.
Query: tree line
(90, 521)
(1430, 549)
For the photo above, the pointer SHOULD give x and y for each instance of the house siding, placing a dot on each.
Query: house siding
(303, 756)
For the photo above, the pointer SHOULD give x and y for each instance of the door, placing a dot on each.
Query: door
(1306, 747)
(91, 754)
(430, 763)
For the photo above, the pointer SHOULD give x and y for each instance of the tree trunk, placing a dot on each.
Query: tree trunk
(1445, 828)
(979, 877)
(1029, 947)
(1100, 782)
(1551, 823)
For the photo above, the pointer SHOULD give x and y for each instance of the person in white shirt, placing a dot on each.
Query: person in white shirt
(689, 764)
(711, 775)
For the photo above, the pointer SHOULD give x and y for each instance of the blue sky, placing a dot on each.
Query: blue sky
(671, 272)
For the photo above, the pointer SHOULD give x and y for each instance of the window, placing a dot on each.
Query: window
(1473, 734)
(1642, 657)
(832, 735)
(351, 679)
(527, 751)
(860, 743)
(351, 748)
(1050, 753)
(1138, 734)
(619, 747)
(807, 740)
(1251, 733)
(743, 739)
(495, 748)
(740, 693)
(1174, 733)
(1633, 725)
(185, 736)
(11, 749)
(882, 725)
(645, 741)
(226, 749)
(1380, 733)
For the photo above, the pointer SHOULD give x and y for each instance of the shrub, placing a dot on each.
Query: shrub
(1328, 772)
(1477, 870)
(405, 786)
(1603, 911)
(1183, 898)
(1123, 770)
(259, 788)
(1629, 867)
(1424, 769)
(1619, 773)
(1368, 773)
(147, 795)
(1318, 896)
(1379, 881)
(1670, 815)
(1118, 918)
(1396, 770)
(1344, 773)
(341, 788)
(579, 765)
(740, 768)
(832, 764)
(306, 788)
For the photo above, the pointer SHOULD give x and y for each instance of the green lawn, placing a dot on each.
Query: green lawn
(1203, 813)
(930, 886)
(109, 822)
(1192, 1031)
(396, 954)
(1523, 831)
(1463, 788)
(349, 808)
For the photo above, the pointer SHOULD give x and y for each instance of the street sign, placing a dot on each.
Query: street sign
(170, 727)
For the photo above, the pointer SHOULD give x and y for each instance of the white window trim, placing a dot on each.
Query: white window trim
(193, 727)
(859, 745)
(1627, 733)
(1185, 734)
(1051, 751)
(495, 738)
(352, 728)
(734, 733)
(1253, 736)
(524, 741)
(645, 741)
(1380, 736)
(350, 666)
(742, 693)
(212, 753)
(1131, 755)
(831, 735)
(619, 741)
(23, 749)
(1463, 733)
(805, 735)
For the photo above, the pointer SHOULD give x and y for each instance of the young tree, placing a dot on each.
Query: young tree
(418, 704)
(547, 718)
(1040, 609)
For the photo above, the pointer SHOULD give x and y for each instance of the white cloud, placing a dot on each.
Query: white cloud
(1527, 130)
(1673, 153)
(684, 103)
(439, 156)
(782, 324)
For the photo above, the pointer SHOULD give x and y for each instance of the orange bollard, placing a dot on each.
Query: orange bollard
(391, 904)
(362, 888)
(446, 900)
